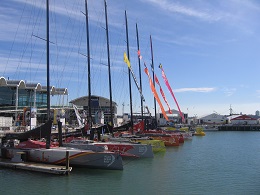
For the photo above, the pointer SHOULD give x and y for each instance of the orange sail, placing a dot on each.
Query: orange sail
(155, 94)
(162, 93)
(170, 89)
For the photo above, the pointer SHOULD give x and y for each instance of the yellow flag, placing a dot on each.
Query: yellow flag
(126, 60)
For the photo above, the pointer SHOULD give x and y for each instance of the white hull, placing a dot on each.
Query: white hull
(138, 150)
(77, 157)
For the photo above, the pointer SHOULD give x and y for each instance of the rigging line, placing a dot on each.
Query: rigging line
(114, 53)
(18, 66)
(38, 18)
(77, 38)
(31, 53)
(24, 49)
(98, 50)
(84, 72)
(31, 28)
(14, 39)
(60, 74)
(117, 78)
(33, 23)
(54, 21)
(81, 77)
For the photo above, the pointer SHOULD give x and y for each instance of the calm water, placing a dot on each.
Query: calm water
(219, 163)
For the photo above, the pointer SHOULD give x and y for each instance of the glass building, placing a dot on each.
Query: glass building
(16, 95)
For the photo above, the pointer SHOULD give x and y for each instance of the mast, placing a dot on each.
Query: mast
(140, 75)
(48, 140)
(48, 60)
(153, 80)
(88, 55)
(129, 76)
(109, 70)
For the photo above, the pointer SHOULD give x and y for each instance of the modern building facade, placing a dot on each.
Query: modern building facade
(18, 95)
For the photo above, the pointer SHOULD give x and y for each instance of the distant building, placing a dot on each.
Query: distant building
(98, 104)
(213, 119)
(245, 120)
(174, 117)
(230, 117)
(257, 113)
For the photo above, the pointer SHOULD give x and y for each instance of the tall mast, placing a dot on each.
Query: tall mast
(153, 80)
(140, 75)
(48, 140)
(88, 55)
(109, 71)
(48, 60)
(129, 76)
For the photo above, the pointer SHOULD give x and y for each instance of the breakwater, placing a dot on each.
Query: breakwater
(239, 128)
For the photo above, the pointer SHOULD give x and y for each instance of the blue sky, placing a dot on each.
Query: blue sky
(209, 50)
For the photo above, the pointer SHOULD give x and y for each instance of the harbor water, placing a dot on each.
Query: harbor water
(218, 163)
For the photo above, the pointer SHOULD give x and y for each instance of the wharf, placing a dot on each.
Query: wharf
(239, 128)
(38, 167)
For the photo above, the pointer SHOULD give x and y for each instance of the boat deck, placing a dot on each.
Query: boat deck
(38, 167)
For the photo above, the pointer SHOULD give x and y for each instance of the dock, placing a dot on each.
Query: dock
(239, 128)
(38, 167)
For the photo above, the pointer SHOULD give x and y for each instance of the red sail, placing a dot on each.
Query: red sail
(155, 94)
(162, 93)
(170, 89)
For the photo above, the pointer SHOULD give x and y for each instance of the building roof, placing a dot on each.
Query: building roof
(244, 117)
(213, 115)
(83, 101)
(21, 84)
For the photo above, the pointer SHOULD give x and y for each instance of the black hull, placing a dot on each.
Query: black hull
(43, 131)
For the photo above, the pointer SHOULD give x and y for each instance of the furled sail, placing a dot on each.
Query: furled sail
(131, 70)
(162, 93)
(158, 83)
(78, 115)
(170, 89)
(155, 93)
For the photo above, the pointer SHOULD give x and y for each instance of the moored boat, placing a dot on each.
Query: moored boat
(157, 145)
(210, 127)
(168, 139)
(136, 149)
(199, 131)
(36, 152)
(126, 149)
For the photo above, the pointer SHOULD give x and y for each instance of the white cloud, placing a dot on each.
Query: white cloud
(229, 91)
(202, 89)
(206, 14)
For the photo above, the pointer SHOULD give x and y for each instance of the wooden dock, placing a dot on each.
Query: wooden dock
(38, 167)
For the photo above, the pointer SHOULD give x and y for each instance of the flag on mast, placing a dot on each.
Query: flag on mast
(155, 93)
(170, 89)
(162, 93)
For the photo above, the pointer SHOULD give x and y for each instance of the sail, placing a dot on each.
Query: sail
(155, 94)
(157, 81)
(78, 115)
(170, 89)
(162, 93)
(131, 70)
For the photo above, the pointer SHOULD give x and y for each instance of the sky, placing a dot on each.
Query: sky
(209, 50)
